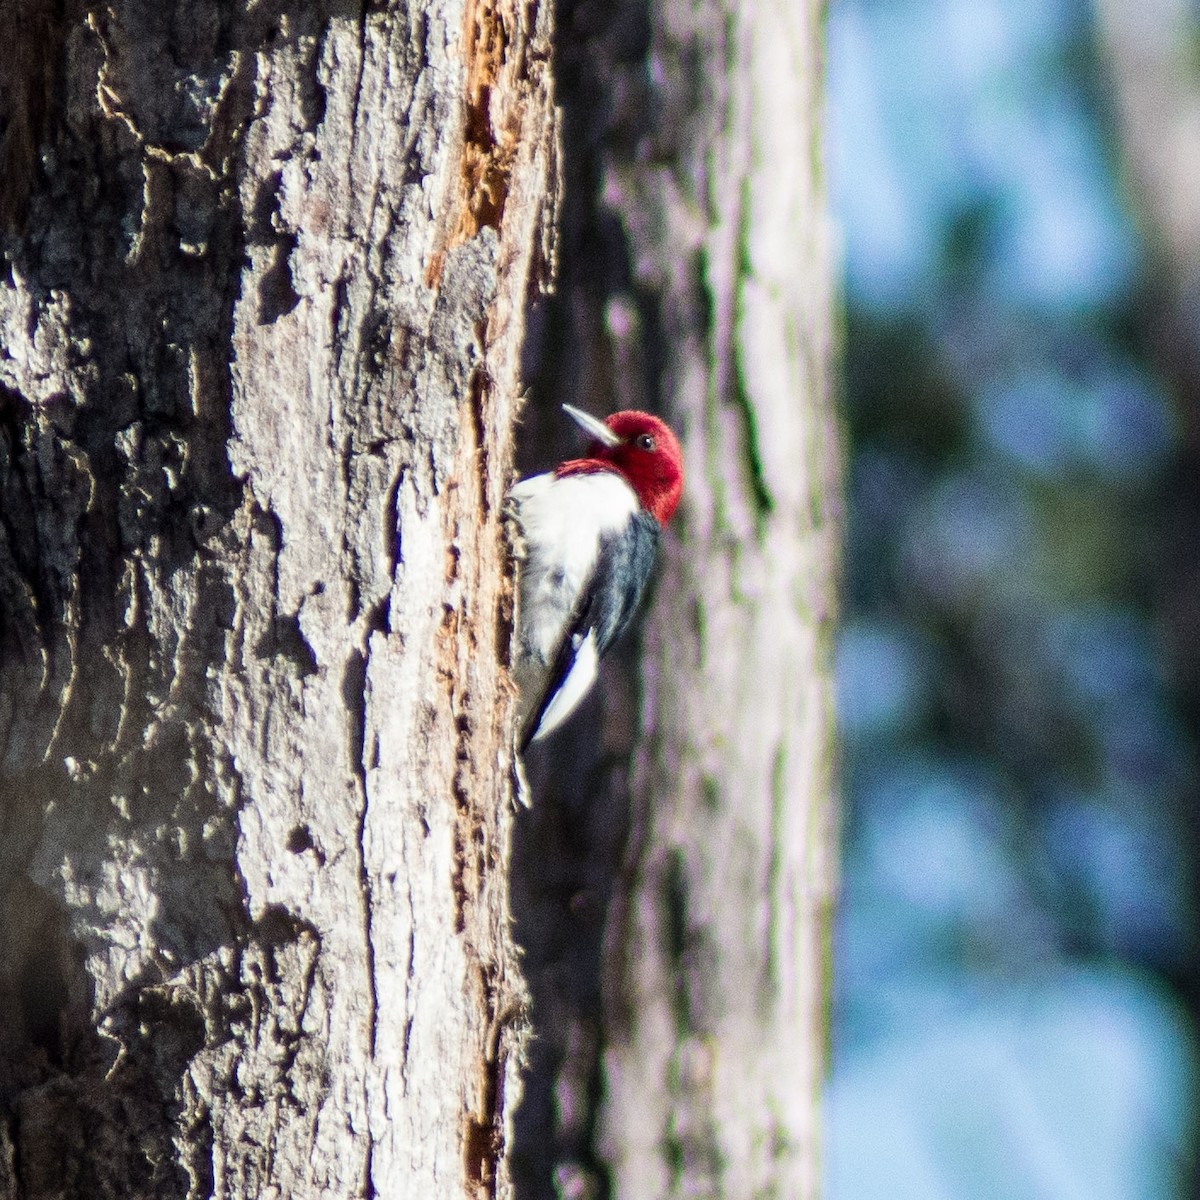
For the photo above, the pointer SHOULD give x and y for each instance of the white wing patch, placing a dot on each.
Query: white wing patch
(574, 687)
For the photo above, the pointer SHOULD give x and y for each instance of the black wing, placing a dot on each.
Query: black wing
(607, 604)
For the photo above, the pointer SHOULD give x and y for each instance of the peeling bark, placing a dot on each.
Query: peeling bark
(261, 310)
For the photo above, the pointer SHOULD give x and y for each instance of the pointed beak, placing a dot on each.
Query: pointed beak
(589, 424)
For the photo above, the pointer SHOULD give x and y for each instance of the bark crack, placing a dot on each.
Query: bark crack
(354, 695)
(741, 390)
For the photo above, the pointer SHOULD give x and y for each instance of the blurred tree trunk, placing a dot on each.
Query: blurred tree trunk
(1150, 51)
(714, 1058)
(696, 283)
(263, 294)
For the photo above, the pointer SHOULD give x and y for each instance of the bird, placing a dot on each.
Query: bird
(586, 540)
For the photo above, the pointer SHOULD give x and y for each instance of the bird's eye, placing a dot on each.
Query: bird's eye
(645, 442)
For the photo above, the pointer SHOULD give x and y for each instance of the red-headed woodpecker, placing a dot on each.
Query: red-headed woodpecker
(590, 529)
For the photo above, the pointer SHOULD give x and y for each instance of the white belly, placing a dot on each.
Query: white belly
(563, 521)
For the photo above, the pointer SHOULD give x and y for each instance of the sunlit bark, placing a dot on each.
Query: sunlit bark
(265, 275)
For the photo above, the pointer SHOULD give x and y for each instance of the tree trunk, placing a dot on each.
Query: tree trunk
(265, 275)
(695, 282)
(715, 1055)
(1156, 102)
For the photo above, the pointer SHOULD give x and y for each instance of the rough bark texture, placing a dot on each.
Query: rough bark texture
(264, 282)
(697, 286)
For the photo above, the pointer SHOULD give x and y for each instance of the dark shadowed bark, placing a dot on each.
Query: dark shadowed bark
(265, 269)
(674, 914)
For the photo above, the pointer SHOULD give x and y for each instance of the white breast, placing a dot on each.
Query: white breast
(563, 521)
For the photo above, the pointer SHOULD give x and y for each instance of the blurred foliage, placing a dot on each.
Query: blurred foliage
(1020, 770)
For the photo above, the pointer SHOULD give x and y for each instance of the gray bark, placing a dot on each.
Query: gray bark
(714, 1059)
(699, 287)
(264, 283)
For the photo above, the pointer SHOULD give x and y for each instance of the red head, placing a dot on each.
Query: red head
(639, 447)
